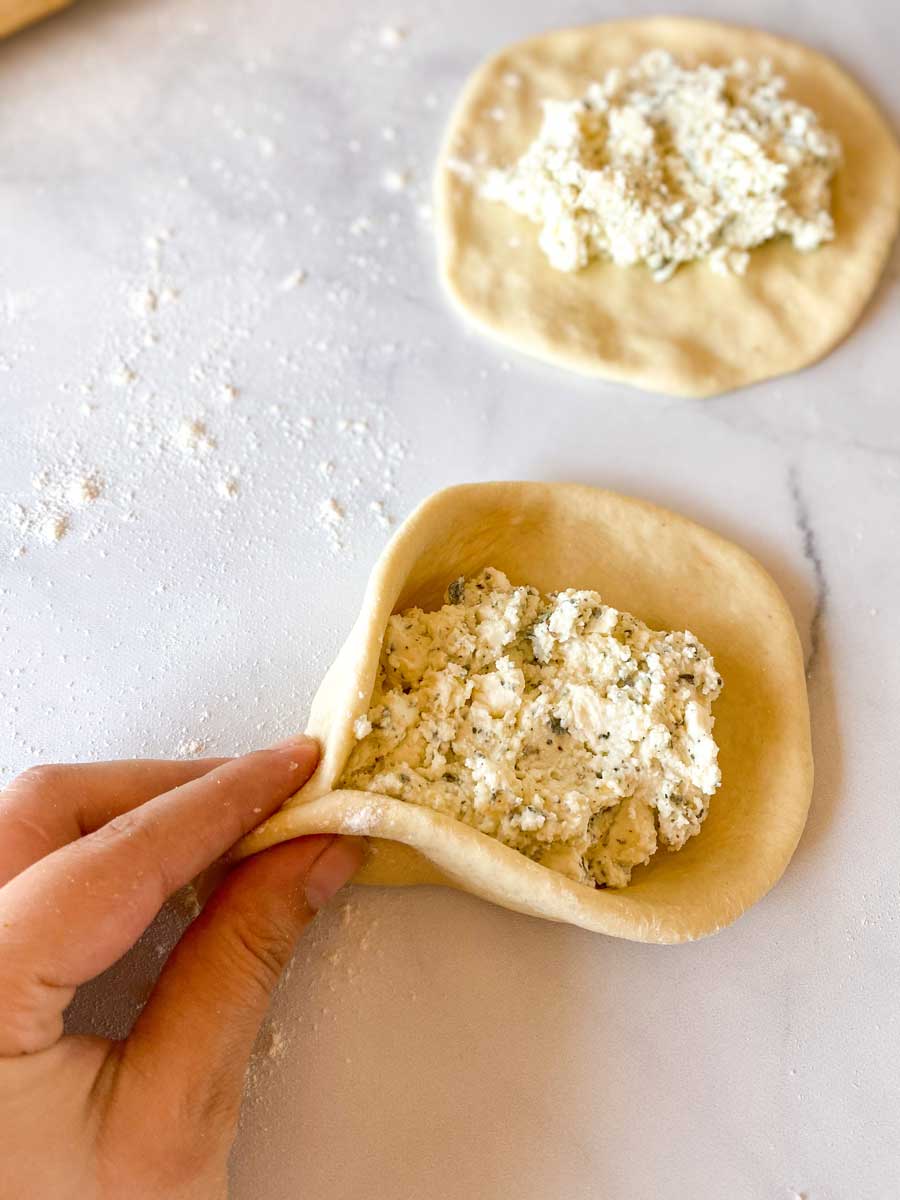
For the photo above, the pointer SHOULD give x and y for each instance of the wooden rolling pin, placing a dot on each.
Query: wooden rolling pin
(16, 13)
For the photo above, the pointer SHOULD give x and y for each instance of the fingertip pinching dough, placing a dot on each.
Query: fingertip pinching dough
(708, 328)
(552, 547)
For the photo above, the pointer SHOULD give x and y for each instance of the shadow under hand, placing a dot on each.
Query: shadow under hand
(427, 1044)
(109, 1005)
(421, 1044)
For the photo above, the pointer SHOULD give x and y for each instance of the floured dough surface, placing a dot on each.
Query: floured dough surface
(702, 333)
(641, 559)
(560, 726)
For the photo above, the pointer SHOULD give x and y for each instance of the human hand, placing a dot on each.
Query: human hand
(88, 855)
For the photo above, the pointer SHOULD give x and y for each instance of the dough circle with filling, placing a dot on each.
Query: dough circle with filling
(663, 568)
(698, 334)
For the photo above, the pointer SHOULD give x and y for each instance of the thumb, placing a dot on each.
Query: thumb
(189, 1049)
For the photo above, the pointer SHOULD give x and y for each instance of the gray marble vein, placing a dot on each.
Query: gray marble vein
(813, 556)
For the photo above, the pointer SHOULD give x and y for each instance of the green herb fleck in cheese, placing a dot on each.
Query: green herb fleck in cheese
(564, 728)
(662, 165)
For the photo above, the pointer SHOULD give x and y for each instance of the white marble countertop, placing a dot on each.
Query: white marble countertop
(167, 167)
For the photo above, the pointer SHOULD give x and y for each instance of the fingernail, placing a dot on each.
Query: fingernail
(332, 869)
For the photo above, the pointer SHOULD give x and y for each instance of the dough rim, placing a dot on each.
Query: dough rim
(413, 844)
(718, 333)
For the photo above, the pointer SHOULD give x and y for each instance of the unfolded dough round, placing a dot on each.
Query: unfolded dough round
(671, 573)
(699, 333)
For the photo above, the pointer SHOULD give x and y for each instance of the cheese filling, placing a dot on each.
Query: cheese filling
(556, 724)
(663, 165)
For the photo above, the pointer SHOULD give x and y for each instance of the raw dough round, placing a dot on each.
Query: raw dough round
(672, 574)
(699, 334)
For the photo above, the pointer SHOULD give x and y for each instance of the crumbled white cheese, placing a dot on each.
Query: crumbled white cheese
(362, 727)
(563, 727)
(661, 164)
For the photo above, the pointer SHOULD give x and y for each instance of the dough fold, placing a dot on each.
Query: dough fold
(671, 573)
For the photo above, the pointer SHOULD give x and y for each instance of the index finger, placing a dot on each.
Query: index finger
(48, 806)
(72, 914)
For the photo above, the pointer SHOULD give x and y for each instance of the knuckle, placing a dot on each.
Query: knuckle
(218, 1105)
(190, 1166)
(132, 830)
(123, 825)
(178, 1168)
(260, 947)
(27, 1022)
(44, 779)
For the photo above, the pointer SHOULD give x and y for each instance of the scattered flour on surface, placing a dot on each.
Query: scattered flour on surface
(193, 437)
(197, 381)
(57, 490)
(395, 181)
(330, 512)
(143, 301)
(376, 507)
(293, 280)
(332, 516)
(392, 36)
(228, 487)
(83, 489)
(122, 375)
(53, 528)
